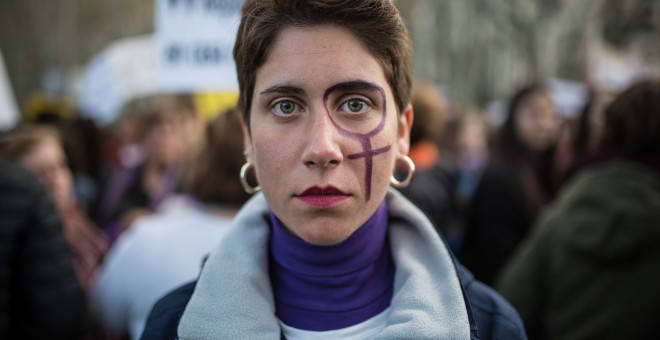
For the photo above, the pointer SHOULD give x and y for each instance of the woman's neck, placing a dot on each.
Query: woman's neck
(322, 288)
(159, 178)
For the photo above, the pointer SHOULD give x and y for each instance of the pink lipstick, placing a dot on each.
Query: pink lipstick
(322, 197)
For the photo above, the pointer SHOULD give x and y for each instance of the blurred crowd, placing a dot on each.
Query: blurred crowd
(561, 215)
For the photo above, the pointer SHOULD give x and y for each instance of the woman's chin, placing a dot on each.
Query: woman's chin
(322, 235)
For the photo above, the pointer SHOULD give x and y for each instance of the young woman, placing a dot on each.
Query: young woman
(39, 149)
(166, 249)
(165, 128)
(589, 269)
(325, 249)
(516, 185)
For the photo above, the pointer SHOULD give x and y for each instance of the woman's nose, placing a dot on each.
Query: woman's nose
(322, 149)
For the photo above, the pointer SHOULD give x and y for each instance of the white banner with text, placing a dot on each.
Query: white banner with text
(194, 40)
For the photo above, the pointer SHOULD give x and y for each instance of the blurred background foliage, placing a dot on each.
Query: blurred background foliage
(479, 50)
(482, 50)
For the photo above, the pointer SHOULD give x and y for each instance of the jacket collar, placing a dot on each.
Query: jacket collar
(233, 297)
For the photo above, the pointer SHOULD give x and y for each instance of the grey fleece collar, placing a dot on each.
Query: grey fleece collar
(233, 297)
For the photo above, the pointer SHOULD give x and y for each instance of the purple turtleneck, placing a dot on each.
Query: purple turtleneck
(320, 288)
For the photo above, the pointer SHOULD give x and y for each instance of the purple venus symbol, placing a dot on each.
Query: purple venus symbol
(368, 152)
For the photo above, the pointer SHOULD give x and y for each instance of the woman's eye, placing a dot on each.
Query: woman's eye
(354, 106)
(285, 107)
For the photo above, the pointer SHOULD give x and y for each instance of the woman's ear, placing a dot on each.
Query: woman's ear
(247, 139)
(403, 133)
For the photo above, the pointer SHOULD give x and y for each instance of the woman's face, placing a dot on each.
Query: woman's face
(537, 122)
(47, 161)
(325, 132)
(167, 140)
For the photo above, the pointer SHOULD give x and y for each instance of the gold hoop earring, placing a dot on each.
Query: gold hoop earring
(246, 186)
(411, 170)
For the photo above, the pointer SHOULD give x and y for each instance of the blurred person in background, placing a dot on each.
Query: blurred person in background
(583, 134)
(39, 149)
(165, 128)
(590, 269)
(80, 138)
(516, 185)
(165, 250)
(40, 297)
(432, 187)
(82, 141)
(472, 152)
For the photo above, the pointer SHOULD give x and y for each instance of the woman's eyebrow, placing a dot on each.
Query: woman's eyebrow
(282, 89)
(352, 86)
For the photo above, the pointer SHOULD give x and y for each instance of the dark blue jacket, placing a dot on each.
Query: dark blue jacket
(491, 317)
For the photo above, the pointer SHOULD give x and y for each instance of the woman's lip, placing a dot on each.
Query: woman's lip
(323, 201)
(322, 197)
(318, 191)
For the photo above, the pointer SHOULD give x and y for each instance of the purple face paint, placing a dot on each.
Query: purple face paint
(368, 152)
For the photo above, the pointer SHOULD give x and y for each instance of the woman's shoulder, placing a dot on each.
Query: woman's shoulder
(494, 316)
(163, 320)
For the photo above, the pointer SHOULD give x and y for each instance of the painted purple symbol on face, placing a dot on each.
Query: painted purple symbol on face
(368, 152)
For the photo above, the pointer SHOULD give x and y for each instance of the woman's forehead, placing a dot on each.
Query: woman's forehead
(329, 37)
(324, 53)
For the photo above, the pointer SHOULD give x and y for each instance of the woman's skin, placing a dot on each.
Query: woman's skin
(324, 132)
(537, 122)
(47, 161)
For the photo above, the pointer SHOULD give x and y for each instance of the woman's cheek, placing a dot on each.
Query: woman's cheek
(272, 157)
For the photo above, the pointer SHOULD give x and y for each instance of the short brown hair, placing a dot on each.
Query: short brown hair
(429, 108)
(213, 175)
(376, 23)
(20, 142)
(148, 111)
(632, 120)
